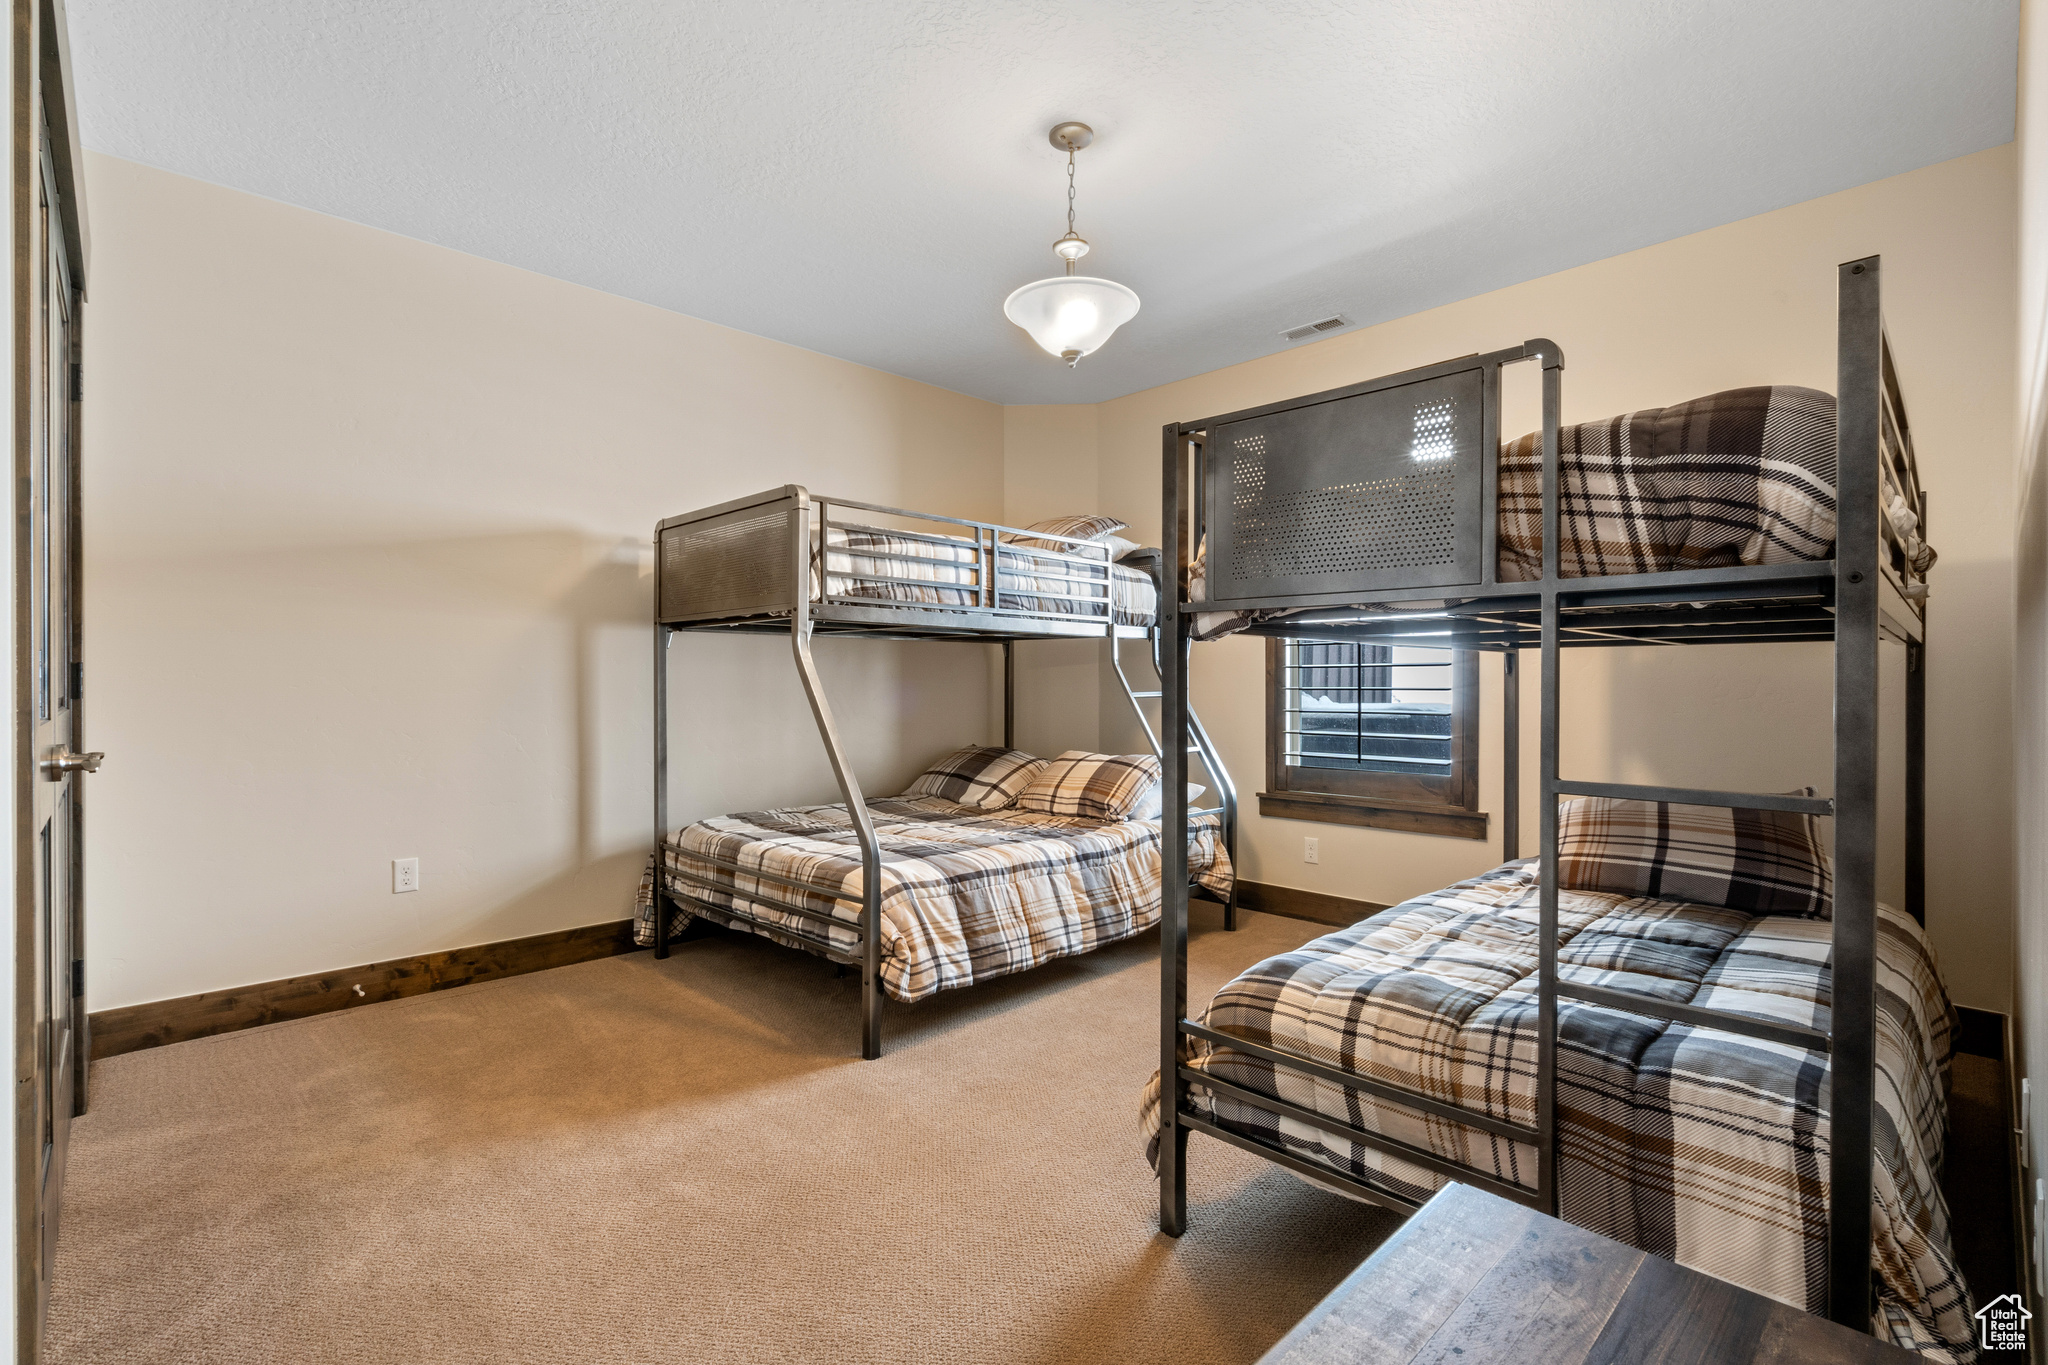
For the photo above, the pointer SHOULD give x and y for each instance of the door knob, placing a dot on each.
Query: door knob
(63, 763)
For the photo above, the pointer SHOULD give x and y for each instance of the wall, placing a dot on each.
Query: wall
(1749, 303)
(2030, 581)
(1049, 470)
(364, 581)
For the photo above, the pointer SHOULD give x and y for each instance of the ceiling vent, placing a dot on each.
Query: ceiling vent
(1330, 324)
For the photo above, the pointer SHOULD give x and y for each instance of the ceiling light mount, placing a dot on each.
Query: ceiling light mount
(1070, 137)
(1071, 315)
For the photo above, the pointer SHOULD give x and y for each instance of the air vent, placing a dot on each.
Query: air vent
(1310, 329)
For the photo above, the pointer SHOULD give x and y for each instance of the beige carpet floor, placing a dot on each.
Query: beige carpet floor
(639, 1161)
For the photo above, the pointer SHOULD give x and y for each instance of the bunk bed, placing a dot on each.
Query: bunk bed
(1390, 510)
(904, 889)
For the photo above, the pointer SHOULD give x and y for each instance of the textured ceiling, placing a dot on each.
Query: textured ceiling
(871, 179)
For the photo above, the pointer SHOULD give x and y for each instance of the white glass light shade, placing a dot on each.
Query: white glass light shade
(1071, 315)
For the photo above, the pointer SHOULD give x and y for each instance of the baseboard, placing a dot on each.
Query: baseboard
(133, 1027)
(1317, 906)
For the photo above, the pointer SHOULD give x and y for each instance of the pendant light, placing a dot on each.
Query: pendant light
(1071, 315)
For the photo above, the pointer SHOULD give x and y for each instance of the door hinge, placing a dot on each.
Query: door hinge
(77, 977)
(77, 382)
(78, 680)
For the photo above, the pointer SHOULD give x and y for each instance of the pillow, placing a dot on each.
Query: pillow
(986, 778)
(1154, 804)
(1762, 862)
(1093, 786)
(1119, 548)
(1084, 528)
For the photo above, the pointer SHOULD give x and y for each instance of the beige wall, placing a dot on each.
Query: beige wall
(1049, 470)
(363, 582)
(1749, 303)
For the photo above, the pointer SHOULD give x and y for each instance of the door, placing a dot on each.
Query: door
(52, 699)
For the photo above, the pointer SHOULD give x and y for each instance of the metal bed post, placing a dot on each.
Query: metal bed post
(661, 639)
(1173, 852)
(1511, 754)
(849, 789)
(1009, 694)
(1916, 763)
(1852, 1059)
(1546, 916)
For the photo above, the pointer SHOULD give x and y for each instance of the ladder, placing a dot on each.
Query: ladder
(1202, 749)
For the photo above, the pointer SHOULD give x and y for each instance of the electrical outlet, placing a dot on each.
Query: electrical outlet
(405, 875)
(1311, 850)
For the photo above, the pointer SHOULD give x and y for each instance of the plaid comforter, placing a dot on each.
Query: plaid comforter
(1746, 476)
(1697, 1145)
(966, 895)
(860, 561)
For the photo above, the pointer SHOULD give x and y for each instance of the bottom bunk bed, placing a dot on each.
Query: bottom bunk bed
(968, 892)
(1698, 1145)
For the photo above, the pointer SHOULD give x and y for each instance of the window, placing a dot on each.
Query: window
(1380, 735)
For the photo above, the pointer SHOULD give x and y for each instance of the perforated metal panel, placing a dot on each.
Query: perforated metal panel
(1378, 490)
(739, 564)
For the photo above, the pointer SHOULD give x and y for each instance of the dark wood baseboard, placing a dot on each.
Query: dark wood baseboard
(1317, 906)
(158, 1022)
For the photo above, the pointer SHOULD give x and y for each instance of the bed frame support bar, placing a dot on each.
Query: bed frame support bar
(1172, 661)
(1358, 1137)
(1350, 1080)
(1859, 387)
(1186, 1123)
(1693, 796)
(1634, 1002)
(849, 792)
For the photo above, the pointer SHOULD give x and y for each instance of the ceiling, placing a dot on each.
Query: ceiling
(871, 179)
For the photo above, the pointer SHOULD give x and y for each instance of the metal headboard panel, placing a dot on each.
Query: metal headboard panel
(1381, 489)
(739, 563)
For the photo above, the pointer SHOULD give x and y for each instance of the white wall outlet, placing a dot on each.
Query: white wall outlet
(405, 875)
(1311, 850)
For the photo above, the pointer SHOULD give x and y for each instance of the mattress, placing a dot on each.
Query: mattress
(1698, 1145)
(871, 562)
(967, 895)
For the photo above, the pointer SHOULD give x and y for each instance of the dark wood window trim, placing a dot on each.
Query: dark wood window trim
(1447, 806)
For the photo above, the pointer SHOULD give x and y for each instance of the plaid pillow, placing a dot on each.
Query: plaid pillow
(1086, 528)
(986, 778)
(1762, 862)
(1093, 786)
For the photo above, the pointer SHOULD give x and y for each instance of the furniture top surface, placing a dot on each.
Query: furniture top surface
(1473, 1279)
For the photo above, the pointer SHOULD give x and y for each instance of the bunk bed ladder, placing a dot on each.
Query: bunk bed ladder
(1200, 747)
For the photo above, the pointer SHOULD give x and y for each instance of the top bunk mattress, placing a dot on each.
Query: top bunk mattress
(1698, 1145)
(872, 564)
(967, 894)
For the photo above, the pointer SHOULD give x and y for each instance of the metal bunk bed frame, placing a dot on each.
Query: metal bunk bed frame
(1860, 597)
(746, 566)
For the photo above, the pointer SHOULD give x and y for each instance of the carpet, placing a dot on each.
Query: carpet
(640, 1161)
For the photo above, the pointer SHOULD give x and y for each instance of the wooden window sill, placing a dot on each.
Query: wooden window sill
(1448, 821)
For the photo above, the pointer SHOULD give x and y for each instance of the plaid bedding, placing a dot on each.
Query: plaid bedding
(1035, 580)
(1097, 786)
(1746, 476)
(1762, 862)
(966, 895)
(1698, 1145)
